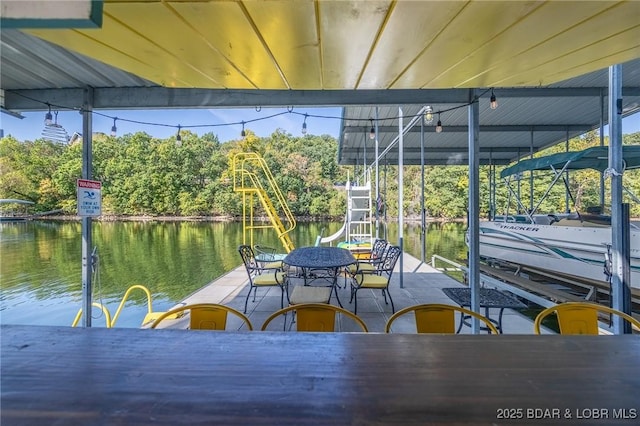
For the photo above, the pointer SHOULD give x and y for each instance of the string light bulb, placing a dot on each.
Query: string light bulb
(372, 132)
(48, 118)
(428, 114)
(439, 125)
(178, 137)
(114, 129)
(304, 125)
(243, 133)
(493, 101)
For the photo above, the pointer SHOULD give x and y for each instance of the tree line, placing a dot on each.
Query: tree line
(143, 175)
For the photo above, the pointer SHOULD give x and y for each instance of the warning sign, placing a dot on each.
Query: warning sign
(89, 197)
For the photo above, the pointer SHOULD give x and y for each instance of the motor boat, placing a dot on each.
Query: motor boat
(577, 244)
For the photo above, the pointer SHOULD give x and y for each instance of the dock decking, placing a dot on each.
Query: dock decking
(421, 284)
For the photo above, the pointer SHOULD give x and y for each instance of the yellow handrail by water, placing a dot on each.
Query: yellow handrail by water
(149, 318)
(126, 297)
(105, 311)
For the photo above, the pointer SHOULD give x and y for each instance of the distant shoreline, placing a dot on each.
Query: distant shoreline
(148, 218)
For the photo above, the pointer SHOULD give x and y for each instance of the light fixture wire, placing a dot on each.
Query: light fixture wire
(289, 110)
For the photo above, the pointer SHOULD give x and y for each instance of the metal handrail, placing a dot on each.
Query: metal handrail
(246, 181)
(126, 297)
(105, 311)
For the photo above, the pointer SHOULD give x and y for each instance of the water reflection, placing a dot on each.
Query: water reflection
(40, 262)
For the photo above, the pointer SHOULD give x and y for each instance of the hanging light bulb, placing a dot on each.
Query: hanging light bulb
(493, 101)
(304, 125)
(48, 118)
(114, 129)
(428, 114)
(178, 137)
(243, 133)
(372, 132)
(439, 125)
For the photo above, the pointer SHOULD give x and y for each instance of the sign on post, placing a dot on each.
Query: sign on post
(89, 197)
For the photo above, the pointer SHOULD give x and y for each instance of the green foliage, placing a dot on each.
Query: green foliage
(142, 175)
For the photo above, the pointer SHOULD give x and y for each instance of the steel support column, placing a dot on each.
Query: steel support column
(401, 192)
(602, 121)
(423, 214)
(87, 173)
(377, 148)
(620, 258)
(474, 207)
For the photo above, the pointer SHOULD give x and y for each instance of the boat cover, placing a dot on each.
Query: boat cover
(591, 158)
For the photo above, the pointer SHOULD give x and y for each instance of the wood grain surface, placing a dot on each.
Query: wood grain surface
(74, 376)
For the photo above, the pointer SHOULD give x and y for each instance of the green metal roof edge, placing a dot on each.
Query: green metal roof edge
(596, 158)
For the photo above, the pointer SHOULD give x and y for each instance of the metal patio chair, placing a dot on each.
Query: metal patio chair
(580, 317)
(377, 278)
(261, 276)
(437, 318)
(204, 316)
(318, 317)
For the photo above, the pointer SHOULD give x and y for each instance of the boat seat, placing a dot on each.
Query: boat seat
(578, 223)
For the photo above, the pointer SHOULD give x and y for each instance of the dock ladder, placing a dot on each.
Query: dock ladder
(150, 316)
(251, 175)
(359, 218)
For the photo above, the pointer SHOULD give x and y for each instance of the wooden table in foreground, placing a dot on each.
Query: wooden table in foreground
(72, 376)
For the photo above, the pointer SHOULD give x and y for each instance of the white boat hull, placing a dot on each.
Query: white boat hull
(578, 251)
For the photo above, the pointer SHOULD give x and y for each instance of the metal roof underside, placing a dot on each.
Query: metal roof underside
(547, 63)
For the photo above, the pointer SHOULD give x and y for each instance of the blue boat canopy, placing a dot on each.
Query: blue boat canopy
(596, 158)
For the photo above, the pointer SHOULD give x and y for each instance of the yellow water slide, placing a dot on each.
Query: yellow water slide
(252, 178)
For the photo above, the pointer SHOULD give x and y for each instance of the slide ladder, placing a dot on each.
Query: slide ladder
(359, 218)
(251, 175)
(358, 222)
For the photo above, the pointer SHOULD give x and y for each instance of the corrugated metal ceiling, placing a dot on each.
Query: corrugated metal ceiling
(239, 53)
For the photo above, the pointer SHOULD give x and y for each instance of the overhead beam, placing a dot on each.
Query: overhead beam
(162, 97)
(486, 128)
(456, 159)
(447, 149)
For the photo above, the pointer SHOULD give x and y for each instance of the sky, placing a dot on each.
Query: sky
(220, 122)
(226, 123)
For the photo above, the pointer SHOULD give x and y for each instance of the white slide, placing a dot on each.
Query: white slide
(335, 236)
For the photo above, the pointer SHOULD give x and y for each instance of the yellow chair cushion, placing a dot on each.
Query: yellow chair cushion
(269, 278)
(308, 294)
(372, 281)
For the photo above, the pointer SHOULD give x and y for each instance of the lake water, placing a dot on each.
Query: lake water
(40, 263)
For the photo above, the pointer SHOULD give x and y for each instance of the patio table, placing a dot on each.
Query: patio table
(331, 259)
(489, 298)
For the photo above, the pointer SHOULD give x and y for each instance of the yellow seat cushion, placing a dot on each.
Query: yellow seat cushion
(269, 278)
(308, 294)
(372, 281)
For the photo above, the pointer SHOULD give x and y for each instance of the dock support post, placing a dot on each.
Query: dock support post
(87, 173)
(400, 191)
(474, 207)
(620, 278)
